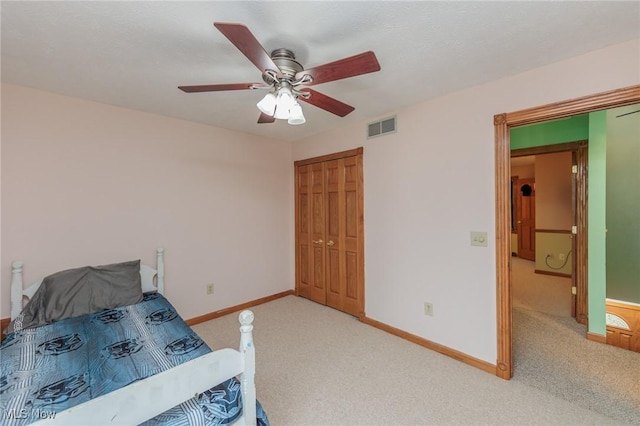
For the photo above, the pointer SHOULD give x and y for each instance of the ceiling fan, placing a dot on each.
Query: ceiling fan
(286, 80)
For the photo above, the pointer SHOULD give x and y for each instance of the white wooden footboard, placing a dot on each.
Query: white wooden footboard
(147, 398)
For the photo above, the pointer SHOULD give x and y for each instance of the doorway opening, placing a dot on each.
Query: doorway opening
(555, 233)
(502, 124)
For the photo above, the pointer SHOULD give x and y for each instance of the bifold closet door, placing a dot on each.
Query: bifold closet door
(310, 232)
(329, 232)
(341, 233)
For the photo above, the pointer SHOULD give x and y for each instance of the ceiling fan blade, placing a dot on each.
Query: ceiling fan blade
(242, 38)
(264, 118)
(219, 87)
(327, 103)
(628, 113)
(363, 63)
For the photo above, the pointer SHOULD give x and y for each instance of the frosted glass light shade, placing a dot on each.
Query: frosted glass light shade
(281, 113)
(296, 116)
(268, 104)
(284, 102)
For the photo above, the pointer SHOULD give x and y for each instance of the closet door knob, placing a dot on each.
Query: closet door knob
(330, 243)
(316, 241)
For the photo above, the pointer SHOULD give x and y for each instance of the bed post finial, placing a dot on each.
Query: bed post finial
(160, 269)
(247, 379)
(16, 288)
(246, 318)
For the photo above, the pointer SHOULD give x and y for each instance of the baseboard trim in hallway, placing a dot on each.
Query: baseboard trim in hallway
(553, 274)
(444, 350)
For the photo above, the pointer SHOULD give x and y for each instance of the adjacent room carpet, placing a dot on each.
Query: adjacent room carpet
(552, 354)
(543, 293)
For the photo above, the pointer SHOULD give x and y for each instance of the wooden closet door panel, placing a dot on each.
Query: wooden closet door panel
(303, 231)
(334, 230)
(352, 237)
(317, 233)
(343, 235)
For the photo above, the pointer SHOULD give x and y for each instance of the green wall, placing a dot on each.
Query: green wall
(551, 132)
(623, 204)
(596, 221)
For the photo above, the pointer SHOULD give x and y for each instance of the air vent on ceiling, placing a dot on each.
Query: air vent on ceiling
(382, 127)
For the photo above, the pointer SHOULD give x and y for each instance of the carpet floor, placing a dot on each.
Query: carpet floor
(539, 292)
(318, 366)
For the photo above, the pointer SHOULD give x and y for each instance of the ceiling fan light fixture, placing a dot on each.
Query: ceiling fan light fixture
(268, 104)
(296, 117)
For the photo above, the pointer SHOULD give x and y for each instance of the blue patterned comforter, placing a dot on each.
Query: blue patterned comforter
(48, 369)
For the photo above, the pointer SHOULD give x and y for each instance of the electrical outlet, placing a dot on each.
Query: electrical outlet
(561, 256)
(210, 288)
(428, 309)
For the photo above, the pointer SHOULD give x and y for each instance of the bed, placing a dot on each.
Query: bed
(134, 363)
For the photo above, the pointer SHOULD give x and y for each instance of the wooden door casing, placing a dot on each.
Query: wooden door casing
(502, 123)
(330, 231)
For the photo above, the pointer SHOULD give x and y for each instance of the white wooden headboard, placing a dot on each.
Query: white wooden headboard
(20, 295)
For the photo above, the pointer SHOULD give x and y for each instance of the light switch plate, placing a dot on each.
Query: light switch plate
(479, 239)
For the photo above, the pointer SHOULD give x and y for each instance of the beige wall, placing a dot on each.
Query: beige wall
(558, 246)
(86, 183)
(523, 172)
(553, 191)
(431, 183)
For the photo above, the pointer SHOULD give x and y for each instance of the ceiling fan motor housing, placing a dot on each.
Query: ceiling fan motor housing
(286, 61)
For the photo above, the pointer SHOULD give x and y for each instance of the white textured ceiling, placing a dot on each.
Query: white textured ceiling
(134, 54)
